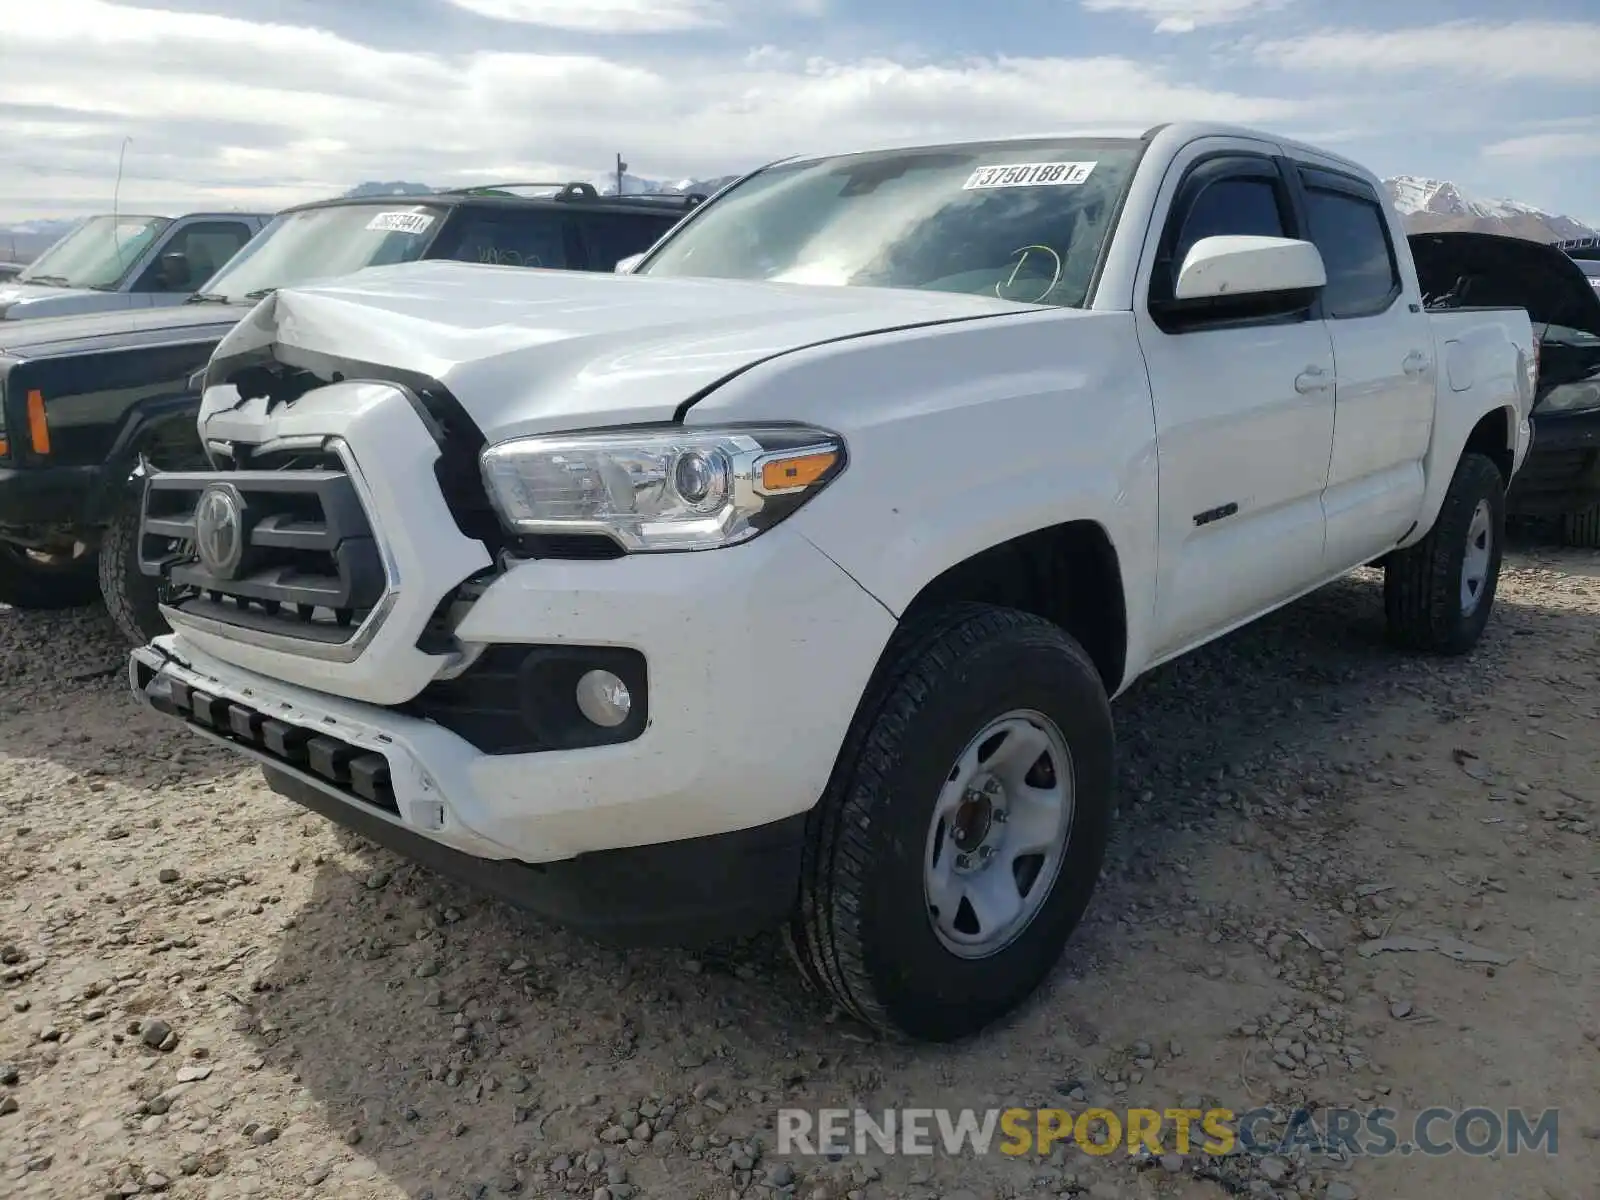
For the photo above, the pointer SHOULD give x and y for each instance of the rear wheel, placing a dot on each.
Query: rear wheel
(132, 598)
(1438, 594)
(47, 579)
(962, 834)
(1582, 528)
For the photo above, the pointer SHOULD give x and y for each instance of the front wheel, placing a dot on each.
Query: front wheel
(47, 580)
(1438, 593)
(961, 836)
(132, 598)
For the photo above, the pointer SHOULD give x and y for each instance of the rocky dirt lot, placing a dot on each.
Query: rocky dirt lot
(205, 991)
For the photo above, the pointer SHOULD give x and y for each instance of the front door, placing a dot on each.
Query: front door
(1244, 410)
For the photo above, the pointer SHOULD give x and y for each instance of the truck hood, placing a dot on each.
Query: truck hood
(1491, 270)
(51, 336)
(525, 350)
(20, 300)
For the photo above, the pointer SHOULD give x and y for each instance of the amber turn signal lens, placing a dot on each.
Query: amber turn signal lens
(800, 471)
(38, 427)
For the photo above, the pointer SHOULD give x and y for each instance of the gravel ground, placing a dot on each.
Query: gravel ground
(209, 992)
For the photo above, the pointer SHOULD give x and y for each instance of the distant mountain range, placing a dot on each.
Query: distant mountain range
(1436, 205)
(1427, 205)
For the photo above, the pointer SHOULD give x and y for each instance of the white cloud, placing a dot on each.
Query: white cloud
(229, 111)
(1560, 51)
(1548, 146)
(628, 16)
(1186, 16)
(603, 16)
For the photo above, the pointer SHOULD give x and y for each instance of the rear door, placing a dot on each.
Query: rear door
(1385, 375)
(610, 237)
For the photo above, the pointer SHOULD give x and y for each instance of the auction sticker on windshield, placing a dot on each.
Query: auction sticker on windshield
(401, 222)
(1029, 175)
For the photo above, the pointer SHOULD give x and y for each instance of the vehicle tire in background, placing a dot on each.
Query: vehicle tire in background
(1582, 528)
(978, 775)
(33, 579)
(1438, 594)
(131, 597)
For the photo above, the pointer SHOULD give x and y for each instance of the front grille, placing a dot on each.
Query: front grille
(358, 774)
(310, 566)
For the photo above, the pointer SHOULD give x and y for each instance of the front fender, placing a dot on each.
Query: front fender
(164, 430)
(962, 437)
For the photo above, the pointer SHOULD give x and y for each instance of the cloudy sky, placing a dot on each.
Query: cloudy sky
(269, 102)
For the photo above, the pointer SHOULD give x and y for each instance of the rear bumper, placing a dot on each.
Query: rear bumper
(1562, 470)
(45, 497)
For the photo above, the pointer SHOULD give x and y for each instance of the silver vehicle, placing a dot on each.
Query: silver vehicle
(127, 261)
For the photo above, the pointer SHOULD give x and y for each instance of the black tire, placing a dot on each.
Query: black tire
(1422, 584)
(131, 597)
(1582, 528)
(862, 929)
(30, 581)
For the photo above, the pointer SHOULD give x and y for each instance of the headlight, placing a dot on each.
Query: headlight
(660, 489)
(1571, 397)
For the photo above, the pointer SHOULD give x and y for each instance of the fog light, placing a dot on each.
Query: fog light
(604, 698)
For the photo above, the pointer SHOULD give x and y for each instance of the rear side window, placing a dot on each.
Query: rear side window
(1353, 238)
(510, 237)
(612, 237)
(1228, 207)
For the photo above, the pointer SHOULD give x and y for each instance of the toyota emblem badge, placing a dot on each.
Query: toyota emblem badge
(219, 530)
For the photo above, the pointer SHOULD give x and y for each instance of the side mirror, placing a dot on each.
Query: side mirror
(626, 265)
(1218, 268)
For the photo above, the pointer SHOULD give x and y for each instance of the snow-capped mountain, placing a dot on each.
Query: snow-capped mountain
(633, 185)
(1436, 204)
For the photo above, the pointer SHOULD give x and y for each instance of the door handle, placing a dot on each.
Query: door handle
(1415, 363)
(1310, 380)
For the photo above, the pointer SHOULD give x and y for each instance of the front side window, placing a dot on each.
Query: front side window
(322, 243)
(1023, 221)
(1231, 206)
(611, 237)
(1352, 236)
(97, 254)
(194, 255)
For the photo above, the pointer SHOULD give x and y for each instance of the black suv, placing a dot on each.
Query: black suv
(86, 402)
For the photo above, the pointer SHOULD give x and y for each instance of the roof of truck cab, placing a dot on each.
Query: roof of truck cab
(1174, 132)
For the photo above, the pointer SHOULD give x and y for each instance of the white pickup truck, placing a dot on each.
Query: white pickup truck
(787, 579)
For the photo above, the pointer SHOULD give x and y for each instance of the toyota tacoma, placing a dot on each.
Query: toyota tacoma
(787, 578)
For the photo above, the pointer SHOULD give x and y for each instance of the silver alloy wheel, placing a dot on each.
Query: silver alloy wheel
(999, 833)
(1475, 564)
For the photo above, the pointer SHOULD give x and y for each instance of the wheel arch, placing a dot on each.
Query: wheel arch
(1069, 573)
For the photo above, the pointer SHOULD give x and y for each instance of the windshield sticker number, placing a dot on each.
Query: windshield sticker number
(401, 222)
(1047, 174)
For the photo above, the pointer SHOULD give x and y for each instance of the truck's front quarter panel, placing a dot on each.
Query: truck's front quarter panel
(966, 435)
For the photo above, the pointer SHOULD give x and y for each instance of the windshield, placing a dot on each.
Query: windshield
(97, 254)
(1591, 268)
(320, 243)
(1021, 220)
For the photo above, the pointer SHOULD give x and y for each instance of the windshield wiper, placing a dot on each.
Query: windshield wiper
(48, 280)
(259, 293)
(208, 298)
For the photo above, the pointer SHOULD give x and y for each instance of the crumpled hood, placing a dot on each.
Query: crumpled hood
(528, 350)
(20, 300)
